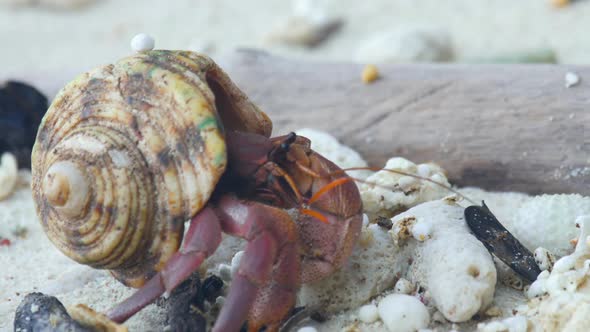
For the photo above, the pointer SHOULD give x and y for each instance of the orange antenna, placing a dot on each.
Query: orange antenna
(315, 214)
(329, 187)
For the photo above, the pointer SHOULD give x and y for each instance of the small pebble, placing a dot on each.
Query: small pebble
(369, 74)
(404, 286)
(224, 271)
(142, 43)
(544, 259)
(403, 313)
(571, 79)
(368, 313)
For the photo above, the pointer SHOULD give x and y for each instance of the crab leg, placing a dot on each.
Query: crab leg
(264, 289)
(202, 239)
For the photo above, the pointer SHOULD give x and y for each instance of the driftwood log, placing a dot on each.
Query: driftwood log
(499, 127)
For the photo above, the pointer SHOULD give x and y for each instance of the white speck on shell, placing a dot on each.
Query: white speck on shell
(142, 42)
(571, 79)
(403, 313)
(368, 313)
(34, 308)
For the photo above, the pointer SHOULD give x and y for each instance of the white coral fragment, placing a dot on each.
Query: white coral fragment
(8, 174)
(552, 217)
(403, 313)
(452, 265)
(566, 305)
(385, 192)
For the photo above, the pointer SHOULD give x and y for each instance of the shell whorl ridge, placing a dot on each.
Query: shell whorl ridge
(128, 152)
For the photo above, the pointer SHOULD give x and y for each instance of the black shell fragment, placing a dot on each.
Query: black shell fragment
(21, 109)
(500, 242)
(39, 312)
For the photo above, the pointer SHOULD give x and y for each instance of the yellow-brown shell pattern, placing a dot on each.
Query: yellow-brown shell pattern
(128, 152)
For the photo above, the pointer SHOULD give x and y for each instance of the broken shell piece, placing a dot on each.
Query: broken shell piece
(500, 242)
(8, 174)
(453, 265)
(309, 25)
(406, 45)
(403, 313)
(571, 79)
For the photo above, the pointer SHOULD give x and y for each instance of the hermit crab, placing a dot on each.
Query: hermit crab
(130, 151)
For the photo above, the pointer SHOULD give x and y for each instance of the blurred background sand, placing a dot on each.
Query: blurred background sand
(51, 35)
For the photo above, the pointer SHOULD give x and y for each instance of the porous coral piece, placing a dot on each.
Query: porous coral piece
(452, 264)
(565, 305)
(387, 193)
(552, 216)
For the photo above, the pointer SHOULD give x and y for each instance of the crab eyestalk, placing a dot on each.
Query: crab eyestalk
(66, 188)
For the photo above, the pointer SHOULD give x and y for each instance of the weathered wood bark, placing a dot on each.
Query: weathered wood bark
(500, 127)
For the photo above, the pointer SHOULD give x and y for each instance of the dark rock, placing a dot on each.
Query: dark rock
(38, 312)
(212, 288)
(21, 109)
(184, 307)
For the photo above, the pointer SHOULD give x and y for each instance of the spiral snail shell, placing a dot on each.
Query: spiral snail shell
(128, 152)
